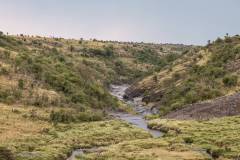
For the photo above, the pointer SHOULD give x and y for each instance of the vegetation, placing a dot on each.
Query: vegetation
(54, 98)
(218, 137)
(202, 73)
(147, 149)
(230, 80)
(44, 72)
(28, 134)
(54, 93)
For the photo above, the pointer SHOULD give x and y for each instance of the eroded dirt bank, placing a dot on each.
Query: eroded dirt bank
(220, 107)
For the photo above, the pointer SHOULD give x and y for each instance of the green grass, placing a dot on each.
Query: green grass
(146, 149)
(219, 137)
(27, 134)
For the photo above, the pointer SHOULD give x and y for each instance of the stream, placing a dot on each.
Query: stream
(134, 119)
(137, 106)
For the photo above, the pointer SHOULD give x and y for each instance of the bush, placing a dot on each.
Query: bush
(219, 40)
(67, 116)
(9, 96)
(188, 140)
(176, 76)
(176, 105)
(230, 80)
(105, 52)
(61, 116)
(7, 54)
(20, 84)
(216, 153)
(215, 72)
(6, 154)
(4, 71)
(78, 97)
(191, 97)
(88, 117)
(155, 78)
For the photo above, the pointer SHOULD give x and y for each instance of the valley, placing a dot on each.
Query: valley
(68, 99)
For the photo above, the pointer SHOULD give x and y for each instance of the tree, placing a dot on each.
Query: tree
(1, 33)
(209, 41)
(71, 48)
(219, 40)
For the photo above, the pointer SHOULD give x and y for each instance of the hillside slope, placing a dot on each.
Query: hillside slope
(203, 73)
(58, 72)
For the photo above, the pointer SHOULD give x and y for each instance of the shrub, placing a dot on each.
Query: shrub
(9, 96)
(88, 116)
(6, 154)
(188, 140)
(230, 80)
(61, 116)
(219, 40)
(191, 97)
(155, 78)
(7, 54)
(71, 48)
(78, 97)
(216, 72)
(4, 71)
(20, 84)
(177, 76)
(176, 105)
(67, 116)
(216, 153)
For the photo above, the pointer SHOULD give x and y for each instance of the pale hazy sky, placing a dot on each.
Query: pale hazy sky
(159, 21)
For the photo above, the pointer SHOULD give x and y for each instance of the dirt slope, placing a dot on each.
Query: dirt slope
(220, 107)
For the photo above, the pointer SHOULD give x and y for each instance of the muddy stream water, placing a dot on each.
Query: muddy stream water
(134, 119)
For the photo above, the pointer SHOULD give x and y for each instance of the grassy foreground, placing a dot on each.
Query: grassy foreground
(23, 137)
(147, 149)
(219, 137)
(26, 133)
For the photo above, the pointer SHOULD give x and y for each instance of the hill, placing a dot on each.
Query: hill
(58, 72)
(201, 74)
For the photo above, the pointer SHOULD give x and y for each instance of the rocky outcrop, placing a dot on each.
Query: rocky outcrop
(133, 92)
(220, 107)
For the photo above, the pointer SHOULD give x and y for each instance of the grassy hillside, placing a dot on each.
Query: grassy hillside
(58, 72)
(203, 73)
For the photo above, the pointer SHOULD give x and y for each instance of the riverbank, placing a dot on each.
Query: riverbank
(136, 120)
(141, 111)
(150, 148)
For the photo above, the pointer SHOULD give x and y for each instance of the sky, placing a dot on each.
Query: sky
(157, 21)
